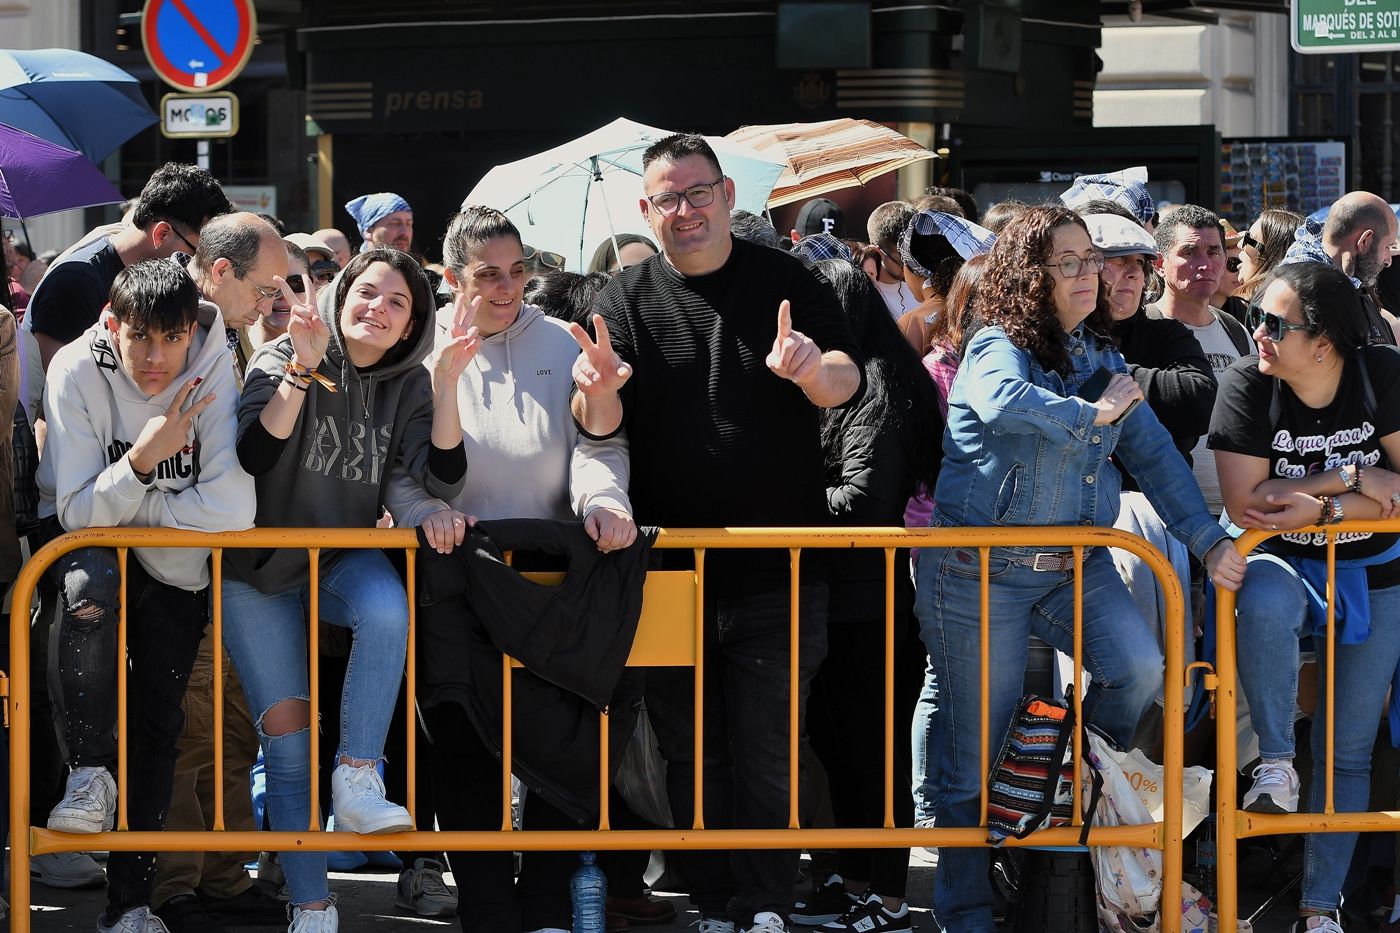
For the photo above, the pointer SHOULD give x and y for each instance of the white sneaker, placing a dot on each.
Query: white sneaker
(1323, 924)
(315, 921)
(88, 804)
(357, 794)
(422, 891)
(714, 925)
(136, 920)
(1275, 789)
(67, 870)
(766, 921)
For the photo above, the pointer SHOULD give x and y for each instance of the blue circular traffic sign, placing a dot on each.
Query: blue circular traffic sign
(198, 45)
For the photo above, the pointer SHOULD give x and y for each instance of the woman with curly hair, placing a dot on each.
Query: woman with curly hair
(1024, 447)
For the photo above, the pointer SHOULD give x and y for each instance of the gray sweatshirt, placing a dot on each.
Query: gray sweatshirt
(335, 469)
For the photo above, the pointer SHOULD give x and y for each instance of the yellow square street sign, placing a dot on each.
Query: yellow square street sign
(199, 116)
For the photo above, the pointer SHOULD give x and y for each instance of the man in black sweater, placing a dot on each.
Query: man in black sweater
(715, 356)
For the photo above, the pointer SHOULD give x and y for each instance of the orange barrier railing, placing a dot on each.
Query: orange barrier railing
(1233, 823)
(669, 634)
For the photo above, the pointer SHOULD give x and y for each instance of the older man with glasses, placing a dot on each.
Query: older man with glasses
(723, 436)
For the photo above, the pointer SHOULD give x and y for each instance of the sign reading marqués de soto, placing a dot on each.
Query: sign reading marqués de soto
(1330, 26)
(199, 116)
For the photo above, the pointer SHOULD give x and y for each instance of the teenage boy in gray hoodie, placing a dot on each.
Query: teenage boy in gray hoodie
(141, 414)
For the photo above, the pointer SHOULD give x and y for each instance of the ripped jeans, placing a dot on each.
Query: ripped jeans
(164, 627)
(265, 636)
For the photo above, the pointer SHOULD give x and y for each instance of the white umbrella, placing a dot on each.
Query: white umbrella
(571, 198)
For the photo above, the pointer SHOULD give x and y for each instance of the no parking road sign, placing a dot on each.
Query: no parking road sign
(198, 45)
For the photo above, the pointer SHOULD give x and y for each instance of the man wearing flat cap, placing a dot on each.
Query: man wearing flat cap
(383, 219)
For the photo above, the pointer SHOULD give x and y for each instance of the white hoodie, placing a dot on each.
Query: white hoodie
(525, 455)
(95, 413)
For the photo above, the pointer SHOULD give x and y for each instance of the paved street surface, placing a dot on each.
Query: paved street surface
(367, 904)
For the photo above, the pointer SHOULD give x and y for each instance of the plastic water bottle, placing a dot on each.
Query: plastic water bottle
(588, 889)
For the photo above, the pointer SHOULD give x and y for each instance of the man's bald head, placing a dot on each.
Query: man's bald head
(1359, 233)
(234, 266)
(336, 241)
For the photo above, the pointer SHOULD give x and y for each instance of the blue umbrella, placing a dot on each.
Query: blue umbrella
(37, 177)
(73, 99)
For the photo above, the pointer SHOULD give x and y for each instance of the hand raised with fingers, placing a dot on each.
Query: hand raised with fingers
(452, 357)
(794, 356)
(167, 434)
(598, 369)
(310, 336)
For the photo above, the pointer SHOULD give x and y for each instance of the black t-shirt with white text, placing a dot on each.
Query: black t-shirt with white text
(70, 297)
(1305, 441)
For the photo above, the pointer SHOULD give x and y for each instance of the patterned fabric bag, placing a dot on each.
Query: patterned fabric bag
(1032, 783)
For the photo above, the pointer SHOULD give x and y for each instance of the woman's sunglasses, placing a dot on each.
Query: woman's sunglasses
(1275, 327)
(552, 261)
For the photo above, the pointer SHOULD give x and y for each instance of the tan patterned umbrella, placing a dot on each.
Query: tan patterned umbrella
(829, 155)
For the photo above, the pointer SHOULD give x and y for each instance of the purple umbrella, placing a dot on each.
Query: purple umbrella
(38, 177)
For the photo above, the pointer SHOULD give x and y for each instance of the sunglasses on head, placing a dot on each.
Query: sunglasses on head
(1275, 327)
(545, 258)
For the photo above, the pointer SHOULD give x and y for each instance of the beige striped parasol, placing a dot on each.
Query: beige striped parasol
(829, 155)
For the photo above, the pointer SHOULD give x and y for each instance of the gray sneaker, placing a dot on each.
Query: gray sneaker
(136, 920)
(67, 870)
(89, 802)
(423, 892)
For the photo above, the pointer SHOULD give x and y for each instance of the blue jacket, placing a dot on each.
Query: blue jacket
(1022, 449)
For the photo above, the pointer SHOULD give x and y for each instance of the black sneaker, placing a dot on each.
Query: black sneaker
(184, 914)
(870, 916)
(831, 902)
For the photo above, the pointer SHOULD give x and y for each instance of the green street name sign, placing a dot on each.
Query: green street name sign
(1329, 26)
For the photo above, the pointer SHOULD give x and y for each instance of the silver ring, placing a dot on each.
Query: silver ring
(1395, 498)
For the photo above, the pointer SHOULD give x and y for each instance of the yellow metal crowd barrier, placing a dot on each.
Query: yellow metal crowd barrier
(669, 635)
(1232, 823)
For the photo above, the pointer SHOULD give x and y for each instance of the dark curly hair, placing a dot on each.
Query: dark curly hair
(1016, 291)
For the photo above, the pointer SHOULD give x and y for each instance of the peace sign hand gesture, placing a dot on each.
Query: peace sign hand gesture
(598, 369)
(310, 336)
(167, 434)
(450, 359)
(794, 357)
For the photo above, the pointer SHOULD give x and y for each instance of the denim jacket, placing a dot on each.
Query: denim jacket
(1021, 449)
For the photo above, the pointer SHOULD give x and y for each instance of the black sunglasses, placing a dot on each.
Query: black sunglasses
(1275, 327)
(296, 283)
(324, 270)
(1247, 240)
(1233, 264)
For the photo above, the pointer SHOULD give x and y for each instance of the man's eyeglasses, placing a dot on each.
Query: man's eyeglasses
(1071, 267)
(265, 292)
(543, 257)
(1275, 327)
(183, 239)
(697, 196)
(1233, 264)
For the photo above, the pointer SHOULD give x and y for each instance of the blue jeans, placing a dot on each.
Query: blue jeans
(265, 636)
(1120, 654)
(1271, 614)
(921, 739)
